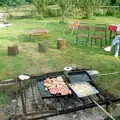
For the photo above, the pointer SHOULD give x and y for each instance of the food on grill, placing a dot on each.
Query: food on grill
(57, 86)
(83, 89)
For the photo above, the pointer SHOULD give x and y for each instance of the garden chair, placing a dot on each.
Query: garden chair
(82, 36)
(100, 32)
(71, 28)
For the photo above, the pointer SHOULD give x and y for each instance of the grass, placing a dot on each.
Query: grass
(33, 62)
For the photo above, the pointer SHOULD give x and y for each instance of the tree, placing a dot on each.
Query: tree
(29, 1)
(117, 2)
(52, 2)
(112, 2)
(40, 6)
(64, 5)
(88, 7)
(11, 2)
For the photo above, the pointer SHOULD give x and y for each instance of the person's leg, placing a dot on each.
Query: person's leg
(117, 46)
(109, 48)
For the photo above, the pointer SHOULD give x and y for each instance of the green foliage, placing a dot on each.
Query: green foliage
(53, 11)
(109, 12)
(12, 2)
(62, 4)
(100, 12)
(40, 6)
(117, 2)
(52, 2)
(29, 1)
(65, 6)
(112, 2)
(88, 7)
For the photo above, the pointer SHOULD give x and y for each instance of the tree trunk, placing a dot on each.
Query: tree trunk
(62, 17)
(61, 43)
(43, 46)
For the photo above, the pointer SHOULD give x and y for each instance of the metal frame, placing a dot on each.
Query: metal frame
(103, 98)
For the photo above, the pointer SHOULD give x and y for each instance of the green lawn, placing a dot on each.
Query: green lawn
(31, 61)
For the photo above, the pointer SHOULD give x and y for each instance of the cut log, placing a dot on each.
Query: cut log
(43, 46)
(61, 43)
(13, 50)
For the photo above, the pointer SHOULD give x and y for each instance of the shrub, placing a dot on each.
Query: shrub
(53, 11)
(109, 12)
(99, 13)
(88, 7)
(12, 2)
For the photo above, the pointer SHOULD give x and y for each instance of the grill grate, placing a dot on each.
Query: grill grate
(55, 105)
(65, 103)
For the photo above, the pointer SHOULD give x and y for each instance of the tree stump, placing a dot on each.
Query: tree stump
(43, 46)
(13, 50)
(61, 43)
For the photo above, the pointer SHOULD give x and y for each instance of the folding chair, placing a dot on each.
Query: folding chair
(72, 27)
(82, 36)
(99, 34)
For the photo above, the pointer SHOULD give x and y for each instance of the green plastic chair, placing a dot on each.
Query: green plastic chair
(83, 34)
(100, 33)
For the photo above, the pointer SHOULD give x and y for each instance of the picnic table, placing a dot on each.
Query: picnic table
(36, 32)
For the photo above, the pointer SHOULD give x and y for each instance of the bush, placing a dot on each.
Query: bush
(118, 16)
(109, 12)
(99, 13)
(51, 2)
(53, 11)
(12, 2)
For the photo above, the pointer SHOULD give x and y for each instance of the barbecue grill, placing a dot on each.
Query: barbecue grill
(72, 78)
(74, 102)
(57, 104)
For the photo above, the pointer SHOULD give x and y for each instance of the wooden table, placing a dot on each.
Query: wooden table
(36, 32)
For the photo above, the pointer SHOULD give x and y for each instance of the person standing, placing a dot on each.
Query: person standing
(115, 43)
